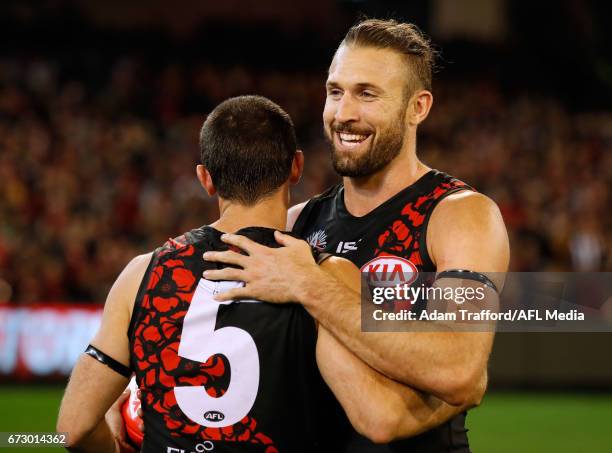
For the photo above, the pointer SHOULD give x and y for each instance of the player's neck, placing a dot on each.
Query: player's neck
(362, 195)
(269, 213)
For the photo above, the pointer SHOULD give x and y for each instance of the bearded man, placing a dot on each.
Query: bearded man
(389, 206)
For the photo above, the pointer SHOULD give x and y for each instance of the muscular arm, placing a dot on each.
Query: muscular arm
(378, 407)
(93, 387)
(468, 233)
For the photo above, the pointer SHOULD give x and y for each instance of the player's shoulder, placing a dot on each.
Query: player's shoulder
(293, 213)
(327, 195)
(308, 206)
(123, 291)
(435, 187)
(444, 181)
(467, 230)
(185, 241)
(139, 262)
(466, 204)
(135, 270)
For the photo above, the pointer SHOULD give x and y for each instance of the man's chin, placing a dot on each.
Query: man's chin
(348, 167)
(356, 166)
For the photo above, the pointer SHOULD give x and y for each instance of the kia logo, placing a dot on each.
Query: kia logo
(390, 271)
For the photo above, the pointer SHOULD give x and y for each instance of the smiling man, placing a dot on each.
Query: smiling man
(242, 376)
(390, 206)
(362, 148)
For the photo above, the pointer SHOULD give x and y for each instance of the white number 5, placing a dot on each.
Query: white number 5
(200, 341)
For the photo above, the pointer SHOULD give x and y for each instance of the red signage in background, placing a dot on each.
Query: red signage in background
(44, 340)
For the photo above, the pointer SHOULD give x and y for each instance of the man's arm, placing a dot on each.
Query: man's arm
(93, 387)
(378, 408)
(468, 233)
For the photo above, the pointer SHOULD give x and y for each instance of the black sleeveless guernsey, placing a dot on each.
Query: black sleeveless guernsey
(395, 230)
(225, 377)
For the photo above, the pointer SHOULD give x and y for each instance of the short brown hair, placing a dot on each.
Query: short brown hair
(405, 39)
(247, 144)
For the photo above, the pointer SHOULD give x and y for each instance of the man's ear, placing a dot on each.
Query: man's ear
(419, 107)
(206, 180)
(297, 167)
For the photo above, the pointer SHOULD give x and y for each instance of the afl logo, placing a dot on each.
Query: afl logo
(214, 416)
(390, 271)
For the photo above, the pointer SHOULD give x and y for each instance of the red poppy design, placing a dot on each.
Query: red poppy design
(403, 237)
(155, 343)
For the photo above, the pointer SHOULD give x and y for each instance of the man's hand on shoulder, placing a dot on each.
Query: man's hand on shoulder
(271, 274)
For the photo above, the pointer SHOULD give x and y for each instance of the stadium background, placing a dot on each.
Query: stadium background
(100, 107)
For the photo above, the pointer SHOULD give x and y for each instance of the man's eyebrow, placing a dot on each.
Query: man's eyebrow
(361, 86)
(369, 86)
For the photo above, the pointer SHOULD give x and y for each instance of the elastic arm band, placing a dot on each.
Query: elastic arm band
(108, 361)
(468, 275)
(318, 255)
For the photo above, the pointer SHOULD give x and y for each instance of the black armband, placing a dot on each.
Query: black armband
(468, 275)
(318, 255)
(108, 361)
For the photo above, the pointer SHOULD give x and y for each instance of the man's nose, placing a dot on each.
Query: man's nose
(347, 110)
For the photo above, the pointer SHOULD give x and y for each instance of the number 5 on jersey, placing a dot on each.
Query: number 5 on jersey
(200, 341)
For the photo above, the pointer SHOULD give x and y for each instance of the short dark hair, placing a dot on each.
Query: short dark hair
(406, 39)
(247, 143)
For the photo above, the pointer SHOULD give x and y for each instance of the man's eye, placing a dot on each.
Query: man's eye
(334, 92)
(367, 94)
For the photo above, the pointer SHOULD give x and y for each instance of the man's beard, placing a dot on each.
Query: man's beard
(375, 158)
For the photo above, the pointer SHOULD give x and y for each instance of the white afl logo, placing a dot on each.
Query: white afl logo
(390, 271)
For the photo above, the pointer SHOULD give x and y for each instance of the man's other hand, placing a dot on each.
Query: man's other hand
(115, 423)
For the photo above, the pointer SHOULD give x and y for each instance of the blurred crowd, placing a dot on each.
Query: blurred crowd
(98, 168)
